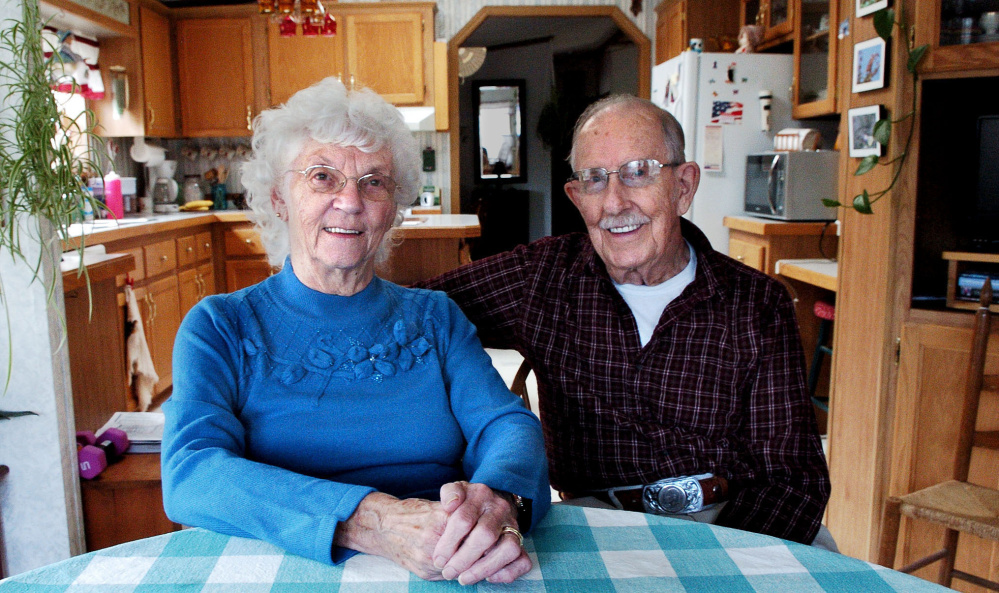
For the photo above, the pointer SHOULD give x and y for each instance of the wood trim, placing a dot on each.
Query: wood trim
(761, 226)
(619, 18)
(98, 21)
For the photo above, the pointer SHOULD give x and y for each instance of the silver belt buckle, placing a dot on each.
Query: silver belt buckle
(675, 496)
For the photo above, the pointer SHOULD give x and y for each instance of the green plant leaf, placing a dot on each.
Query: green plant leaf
(7, 415)
(862, 203)
(915, 56)
(884, 20)
(866, 164)
(882, 131)
(830, 203)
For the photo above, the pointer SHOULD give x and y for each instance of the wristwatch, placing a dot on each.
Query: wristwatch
(521, 505)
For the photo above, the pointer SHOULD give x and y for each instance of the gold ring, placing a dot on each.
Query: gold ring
(513, 531)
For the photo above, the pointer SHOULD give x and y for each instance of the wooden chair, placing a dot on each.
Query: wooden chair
(956, 504)
(519, 384)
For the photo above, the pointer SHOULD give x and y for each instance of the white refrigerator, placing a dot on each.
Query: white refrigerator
(716, 99)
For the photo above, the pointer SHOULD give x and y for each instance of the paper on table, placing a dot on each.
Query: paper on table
(144, 429)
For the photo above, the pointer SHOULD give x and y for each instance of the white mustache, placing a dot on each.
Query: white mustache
(623, 220)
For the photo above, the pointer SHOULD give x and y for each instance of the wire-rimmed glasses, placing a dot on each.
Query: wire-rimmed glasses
(639, 173)
(326, 179)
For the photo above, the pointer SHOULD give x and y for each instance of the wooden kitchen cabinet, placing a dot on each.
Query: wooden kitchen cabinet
(145, 56)
(174, 270)
(216, 73)
(298, 62)
(931, 381)
(387, 47)
(125, 503)
(815, 55)
(678, 21)
(759, 242)
(158, 78)
(99, 385)
(953, 48)
(775, 16)
(245, 258)
(161, 320)
(390, 50)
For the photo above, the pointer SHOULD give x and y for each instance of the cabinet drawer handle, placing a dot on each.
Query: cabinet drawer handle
(152, 114)
(190, 249)
(208, 245)
(249, 241)
(249, 118)
(739, 258)
(164, 258)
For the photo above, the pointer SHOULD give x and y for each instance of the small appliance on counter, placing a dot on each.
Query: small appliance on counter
(792, 185)
(165, 189)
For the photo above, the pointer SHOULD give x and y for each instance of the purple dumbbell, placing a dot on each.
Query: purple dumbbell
(95, 453)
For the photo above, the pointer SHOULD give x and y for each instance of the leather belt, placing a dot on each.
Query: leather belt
(630, 498)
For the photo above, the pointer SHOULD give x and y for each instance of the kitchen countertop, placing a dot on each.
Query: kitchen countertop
(426, 226)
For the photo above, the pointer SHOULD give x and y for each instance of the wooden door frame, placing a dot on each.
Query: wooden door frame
(613, 12)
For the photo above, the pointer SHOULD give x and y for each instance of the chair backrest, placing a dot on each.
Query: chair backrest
(519, 384)
(976, 383)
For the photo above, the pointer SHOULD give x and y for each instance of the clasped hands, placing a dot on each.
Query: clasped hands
(462, 537)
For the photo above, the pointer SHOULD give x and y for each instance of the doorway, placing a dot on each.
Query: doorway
(568, 57)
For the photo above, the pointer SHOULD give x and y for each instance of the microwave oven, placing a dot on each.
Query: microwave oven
(792, 185)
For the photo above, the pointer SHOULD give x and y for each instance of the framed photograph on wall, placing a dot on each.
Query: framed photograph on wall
(870, 65)
(866, 7)
(861, 128)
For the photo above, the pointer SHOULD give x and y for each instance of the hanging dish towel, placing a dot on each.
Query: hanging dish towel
(140, 363)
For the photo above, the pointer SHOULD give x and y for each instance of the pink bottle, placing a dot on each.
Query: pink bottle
(112, 196)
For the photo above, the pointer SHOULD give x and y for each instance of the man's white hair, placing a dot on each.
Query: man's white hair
(330, 114)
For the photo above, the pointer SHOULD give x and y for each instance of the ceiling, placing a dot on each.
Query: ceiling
(566, 33)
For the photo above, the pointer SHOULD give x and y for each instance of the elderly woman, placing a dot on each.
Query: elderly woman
(328, 411)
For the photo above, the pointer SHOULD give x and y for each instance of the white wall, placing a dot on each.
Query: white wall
(39, 499)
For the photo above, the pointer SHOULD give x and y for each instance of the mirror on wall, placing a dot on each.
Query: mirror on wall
(500, 108)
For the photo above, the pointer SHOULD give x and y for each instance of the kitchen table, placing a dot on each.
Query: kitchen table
(573, 549)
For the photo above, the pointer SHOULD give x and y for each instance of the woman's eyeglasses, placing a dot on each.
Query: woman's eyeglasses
(326, 179)
(640, 173)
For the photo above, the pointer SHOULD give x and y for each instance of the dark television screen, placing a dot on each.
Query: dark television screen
(988, 166)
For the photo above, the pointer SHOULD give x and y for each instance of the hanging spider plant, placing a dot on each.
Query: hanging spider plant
(41, 175)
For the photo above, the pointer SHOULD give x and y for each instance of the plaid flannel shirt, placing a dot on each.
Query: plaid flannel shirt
(719, 388)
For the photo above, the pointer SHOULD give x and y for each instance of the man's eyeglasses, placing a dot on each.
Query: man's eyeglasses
(325, 179)
(640, 173)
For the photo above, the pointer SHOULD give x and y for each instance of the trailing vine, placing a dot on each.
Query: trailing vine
(885, 21)
(41, 177)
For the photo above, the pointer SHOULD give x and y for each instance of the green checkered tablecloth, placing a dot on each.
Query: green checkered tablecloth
(574, 549)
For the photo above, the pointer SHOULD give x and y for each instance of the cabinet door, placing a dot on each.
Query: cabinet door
(385, 53)
(814, 91)
(206, 278)
(164, 300)
(124, 52)
(215, 66)
(240, 273)
(298, 62)
(750, 254)
(189, 290)
(779, 17)
(157, 73)
(671, 30)
(931, 383)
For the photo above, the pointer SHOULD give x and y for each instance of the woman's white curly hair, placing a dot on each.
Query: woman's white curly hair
(328, 113)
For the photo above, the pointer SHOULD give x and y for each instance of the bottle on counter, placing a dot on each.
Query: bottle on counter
(112, 196)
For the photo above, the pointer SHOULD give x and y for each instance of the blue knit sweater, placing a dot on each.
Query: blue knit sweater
(290, 405)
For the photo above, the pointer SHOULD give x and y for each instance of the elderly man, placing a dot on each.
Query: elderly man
(657, 358)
